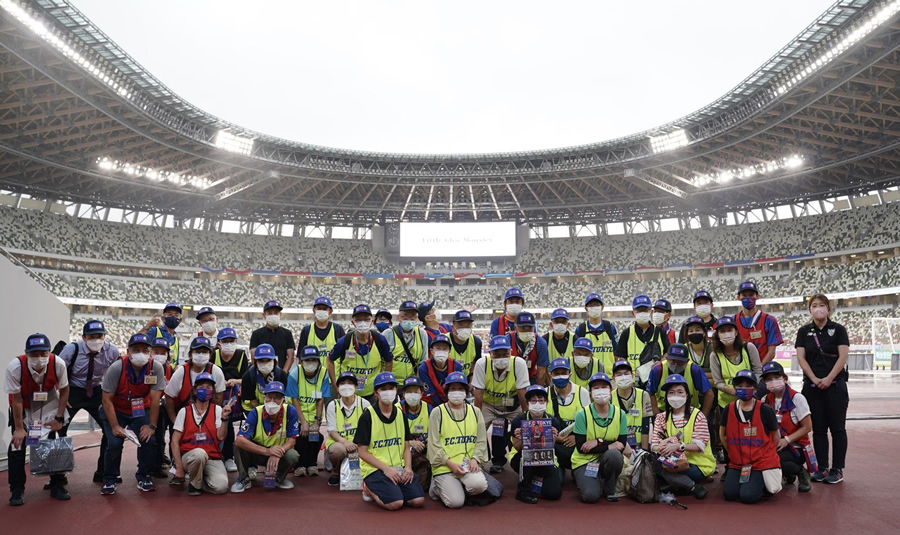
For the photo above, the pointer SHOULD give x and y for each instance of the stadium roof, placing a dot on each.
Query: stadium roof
(81, 121)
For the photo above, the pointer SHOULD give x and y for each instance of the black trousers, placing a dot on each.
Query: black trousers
(308, 450)
(16, 464)
(499, 445)
(162, 425)
(791, 465)
(551, 486)
(78, 401)
(829, 413)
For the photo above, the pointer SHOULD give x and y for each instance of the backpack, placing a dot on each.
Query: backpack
(644, 483)
(650, 355)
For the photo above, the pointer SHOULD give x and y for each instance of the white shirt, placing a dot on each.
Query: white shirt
(182, 414)
(798, 413)
(331, 411)
(39, 410)
(174, 386)
(522, 381)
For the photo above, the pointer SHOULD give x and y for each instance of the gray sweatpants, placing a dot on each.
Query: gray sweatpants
(589, 488)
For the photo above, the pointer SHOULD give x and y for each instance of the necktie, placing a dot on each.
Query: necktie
(89, 378)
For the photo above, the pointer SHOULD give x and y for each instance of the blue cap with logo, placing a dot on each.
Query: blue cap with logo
(225, 333)
(700, 294)
(725, 320)
(160, 342)
(384, 378)
(593, 297)
(37, 342)
(323, 300)
(583, 343)
(559, 313)
(204, 376)
(348, 375)
(560, 363)
(384, 312)
(93, 327)
(409, 306)
(513, 292)
(535, 389)
(600, 376)
(674, 379)
(462, 315)
(695, 319)
(621, 364)
(439, 339)
(641, 301)
(361, 309)
(663, 304)
(425, 309)
(139, 338)
(744, 374)
(748, 285)
(772, 367)
(456, 377)
(264, 351)
(412, 381)
(274, 387)
(173, 306)
(201, 341)
(525, 319)
(677, 352)
(309, 353)
(204, 311)
(501, 341)
(272, 304)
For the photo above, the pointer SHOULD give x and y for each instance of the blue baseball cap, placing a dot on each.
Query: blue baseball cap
(592, 297)
(205, 310)
(272, 304)
(39, 342)
(695, 319)
(274, 387)
(424, 309)
(744, 374)
(513, 292)
(173, 306)
(501, 341)
(677, 352)
(560, 363)
(264, 351)
(462, 315)
(559, 313)
(205, 376)
(201, 341)
(700, 294)
(526, 319)
(725, 320)
(622, 364)
(456, 377)
(93, 327)
(641, 301)
(772, 367)
(674, 379)
(225, 333)
(348, 375)
(385, 378)
(323, 300)
(409, 306)
(412, 381)
(535, 389)
(663, 304)
(160, 342)
(361, 309)
(384, 312)
(309, 353)
(439, 339)
(583, 343)
(600, 376)
(139, 338)
(748, 285)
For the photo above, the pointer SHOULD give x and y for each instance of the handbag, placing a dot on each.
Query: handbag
(52, 456)
(772, 479)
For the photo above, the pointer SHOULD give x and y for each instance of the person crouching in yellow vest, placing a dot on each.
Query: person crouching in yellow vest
(385, 459)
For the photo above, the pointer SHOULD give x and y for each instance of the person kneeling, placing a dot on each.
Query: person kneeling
(199, 456)
(542, 480)
(384, 454)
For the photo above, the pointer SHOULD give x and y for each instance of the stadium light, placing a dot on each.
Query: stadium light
(671, 141)
(794, 161)
(139, 171)
(225, 140)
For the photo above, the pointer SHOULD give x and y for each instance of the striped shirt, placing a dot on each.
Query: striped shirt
(700, 435)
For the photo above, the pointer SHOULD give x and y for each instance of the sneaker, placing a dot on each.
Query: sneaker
(367, 496)
(312, 471)
(194, 491)
(60, 493)
(230, 466)
(176, 481)
(251, 473)
(612, 498)
(286, 484)
(803, 484)
(720, 457)
(526, 497)
(334, 481)
(835, 476)
(146, 485)
(699, 491)
(496, 468)
(819, 475)
(17, 498)
(241, 485)
(300, 472)
(108, 489)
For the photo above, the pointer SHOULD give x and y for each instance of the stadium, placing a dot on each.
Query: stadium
(118, 196)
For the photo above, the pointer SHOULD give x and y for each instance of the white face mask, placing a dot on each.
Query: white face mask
(229, 348)
(413, 399)
(272, 408)
(346, 390)
(441, 356)
(463, 333)
(775, 385)
(387, 396)
(310, 365)
(362, 326)
(582, 361)
(658, 318)
(39, 363)
(457, 397)
(537, 407)
(272, 320)
(266, 367)
(727, 338)
(704, 310)
(437, 315)
(642, 318)
(140, 359)
(600, 395)
(210, 326)
(560, 328)
(676, 402)
(160, 357)
(513, 308)
(94, 345)
(624, 381)
(321, 315)
(526, 337)
(200, 359)
(594, 312)
(500, 364)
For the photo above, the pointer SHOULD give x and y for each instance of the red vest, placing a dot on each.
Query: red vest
(530, 359)
(126, 391)
(28, 386)
(787, 424)
(184, 395)
(756, 335)
(503, 325)
(749, 443)
(210, 444)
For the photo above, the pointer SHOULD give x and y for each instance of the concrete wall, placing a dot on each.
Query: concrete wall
(25, 308)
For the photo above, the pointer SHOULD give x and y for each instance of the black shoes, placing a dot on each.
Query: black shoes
(17, 498)
(60, 493)
(526, 497)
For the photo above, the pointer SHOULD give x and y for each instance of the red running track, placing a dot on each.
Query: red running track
(863, 503)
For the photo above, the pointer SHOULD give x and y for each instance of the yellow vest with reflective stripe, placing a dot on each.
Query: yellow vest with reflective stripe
(362, 366)
(591, 369)
(603, 347)
(325, 345)
(566, 412)
(457, 438)
(636, 347)
(310, 393)
(635, 415)
(496, 391)
(346, 425)
(467, 357)
(608, 434)
(259, 434)
(403, 367)
(693, 395)
(729, 370)
(555, 354)
(705, 460)
(386, 442)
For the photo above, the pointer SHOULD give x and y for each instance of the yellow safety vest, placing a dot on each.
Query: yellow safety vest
(497, 392)
(403, 366)
(693, 395)
(364, 367)
(705, 460)
(729, 370)
(582, 378)
(554, 353)
(566, 412)
(603, 347)
(608, 434)
(636, 347)
(261, 438)
(345, 425)
(458, 438)
(635, 415)
(467, 357)
(418, 426)
(310, 392)
(325, 345)
(386, 443)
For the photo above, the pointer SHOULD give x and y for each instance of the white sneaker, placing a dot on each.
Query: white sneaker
(312, 471)
(230, 466)
(241, 485)
(251, 473)
(300, 472)
(286, 484)
(365, 494)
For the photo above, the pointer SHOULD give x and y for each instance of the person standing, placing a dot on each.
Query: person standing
(38, 390)
(165, 327)
(662, 313)
(431, 320)
(703, 305)
(433, 372)
(525, 343)
(823, 347)
(363, 351)
(209, 325)
(602, 333)
(272, 333)
(323, 333)
(408, 342)
(754, 325)
(642, 332)
(559, 339)
(259, 375)
(513, 303)
(178, 391)
(465, 347)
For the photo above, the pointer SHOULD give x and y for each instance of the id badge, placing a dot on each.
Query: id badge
(635, 411)
(348, 427)
(353, 461)
(499, 427)
(750, 431)
(34, 434)
(509, 402)
(529, 363)
(754, 335)
(632, 440)
(199, 438)
(317, 394)
(537, 483)
(745, 473)
(269, 480)
(137, 407)
(149, 379)
(592, 469)
(313, 437)
(464, 464)
(40, 396)
(361, 381)
(418, 429)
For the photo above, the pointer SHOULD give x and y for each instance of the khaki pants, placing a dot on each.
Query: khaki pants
(203, 472)
(336, 452)
(452, 490)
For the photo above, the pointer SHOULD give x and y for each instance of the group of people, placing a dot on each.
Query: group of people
(422, 409)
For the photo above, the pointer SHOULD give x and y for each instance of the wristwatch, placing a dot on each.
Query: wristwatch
(152, 427)
(682, 446)
(60, 419)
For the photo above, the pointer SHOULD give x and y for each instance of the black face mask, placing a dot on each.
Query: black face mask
(696, 338)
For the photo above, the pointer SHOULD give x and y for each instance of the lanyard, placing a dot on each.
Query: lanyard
(384, 430)
(462, 430)
(818, 345)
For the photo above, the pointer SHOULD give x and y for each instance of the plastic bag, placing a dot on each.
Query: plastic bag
(772, 479)
(351, 476)
(52, 456)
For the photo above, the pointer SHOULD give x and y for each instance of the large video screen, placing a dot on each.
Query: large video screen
(457, 240)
